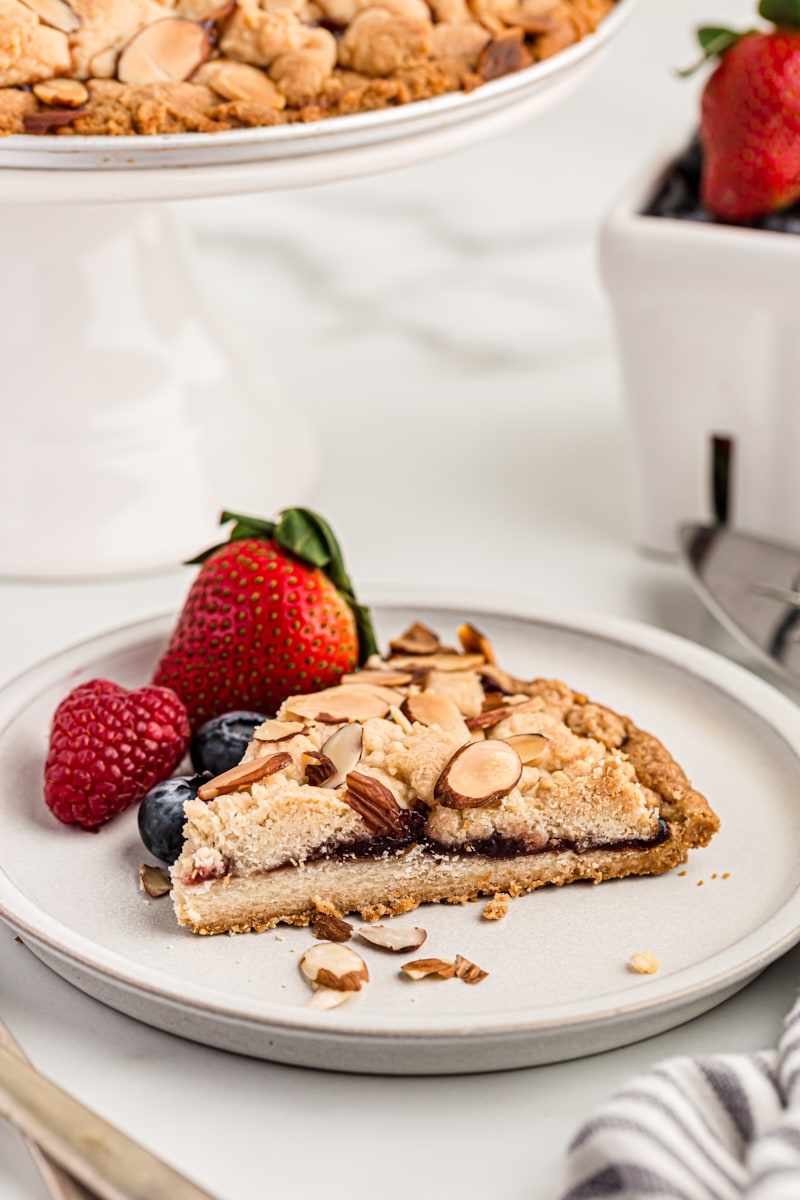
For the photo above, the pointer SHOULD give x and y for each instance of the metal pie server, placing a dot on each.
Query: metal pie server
(752, 586)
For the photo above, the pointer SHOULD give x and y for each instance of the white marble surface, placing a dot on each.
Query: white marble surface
(445, 332)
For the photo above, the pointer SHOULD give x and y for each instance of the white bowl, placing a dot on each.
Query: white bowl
(709, 339)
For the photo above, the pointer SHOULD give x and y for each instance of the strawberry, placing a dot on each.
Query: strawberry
(108, 747)
(750, 123)
(271, 613)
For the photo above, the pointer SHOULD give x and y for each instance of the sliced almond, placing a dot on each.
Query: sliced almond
(400, 718)
(168, 51)
(279, 731)
(438, 662)
(529, 746)
(475, 642)
(343, 750)
(501, 681)
(57, 13)
(243, 774)
(154, 880)
(420, 968)
(392, 937)
(239, 81)
(205, 10)
(338, 704)
(388, 695)
(429, 708)
(494, 716)
(478, 774)
(468, 971)
(327, 998)
(417, 639)
(389, 679)
(319, 767)
(375, 804)
(64, 93)
(332, 965)
(331, 929)
(48, 119)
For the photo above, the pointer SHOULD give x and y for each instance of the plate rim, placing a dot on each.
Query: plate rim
(506, 87)
(734, 681)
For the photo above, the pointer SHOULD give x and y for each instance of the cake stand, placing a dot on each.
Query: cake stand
(129, 420)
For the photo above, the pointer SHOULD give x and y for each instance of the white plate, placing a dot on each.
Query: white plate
(320, 137)
(558, 985)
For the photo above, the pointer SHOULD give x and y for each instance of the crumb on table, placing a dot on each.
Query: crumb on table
(644, 962)
(497, 907)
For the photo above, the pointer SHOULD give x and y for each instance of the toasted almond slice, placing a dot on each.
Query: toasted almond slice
(375, 804)
(167, 51)
(388, 695)
(332, 965)
(319, 767)
(475, 642)
(205, 10)
(468, 971)
(494, 716)
(400, 718)
(63, 93)
(500, 680)
(279, 731)
(417, 639)
(393, 937)
(154, 880)
(57, 13)
(337, 705)
(239, 81)
(437, 662)
(343, 750)
(389, 679)
(529, 746)
(243, 774)
(327, 998)
(420, 968)
(331, 929)
(477, 774)
(430, 708)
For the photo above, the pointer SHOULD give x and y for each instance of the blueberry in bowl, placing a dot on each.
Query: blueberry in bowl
(161, 818)
(220, 743)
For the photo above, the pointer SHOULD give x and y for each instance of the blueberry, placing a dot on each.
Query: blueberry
(161, 816)
(220, 743)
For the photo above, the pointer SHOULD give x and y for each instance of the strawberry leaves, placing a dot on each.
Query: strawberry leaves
(783, 13)
(714, 42)
(307, 536)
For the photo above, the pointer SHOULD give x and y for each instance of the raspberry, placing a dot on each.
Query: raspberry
(108, 747)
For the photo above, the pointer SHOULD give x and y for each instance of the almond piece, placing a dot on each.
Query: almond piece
(466, 970)
(389, 679)
(417, 639)
(505, 53)
(478, 774)
(319, 767)
(475, 642)
(168, 51)
(337, 705)
(330, 965)
(327, 998)
(420, 968)
(375, 804)
(279, 731)
(393, 937)
(495, 715)
(429, 708)
(243, 774)
(57, 13)
(400, 718)
(343, 751)
(331, 929)
(64, 93)
(529, 746)
(500, 681)
(205, 10)
(438, 662)
(239, 81)
(48, 119)
(154, 880)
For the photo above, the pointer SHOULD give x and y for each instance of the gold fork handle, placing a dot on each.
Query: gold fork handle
(103, 1158)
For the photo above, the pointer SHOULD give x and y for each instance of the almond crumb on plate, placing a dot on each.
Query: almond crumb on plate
(497, 907)
(644, 962)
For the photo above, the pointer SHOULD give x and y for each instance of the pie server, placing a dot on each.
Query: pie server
(752, 586)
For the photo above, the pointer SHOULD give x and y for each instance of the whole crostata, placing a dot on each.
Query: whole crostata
(431, 775)
(168, 66)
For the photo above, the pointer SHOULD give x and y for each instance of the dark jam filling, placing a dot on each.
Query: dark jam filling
(495, 846)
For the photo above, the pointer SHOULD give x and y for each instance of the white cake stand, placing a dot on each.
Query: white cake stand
(128, 423)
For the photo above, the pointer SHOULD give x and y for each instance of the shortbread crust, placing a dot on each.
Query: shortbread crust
(604, 801)
(265, 62)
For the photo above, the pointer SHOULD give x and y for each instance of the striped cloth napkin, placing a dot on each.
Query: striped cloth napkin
(715, 1128)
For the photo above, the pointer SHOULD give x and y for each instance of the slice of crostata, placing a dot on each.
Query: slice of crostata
(432, 775)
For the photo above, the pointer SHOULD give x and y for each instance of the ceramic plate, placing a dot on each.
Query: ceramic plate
(320, 137)
(558, 985)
